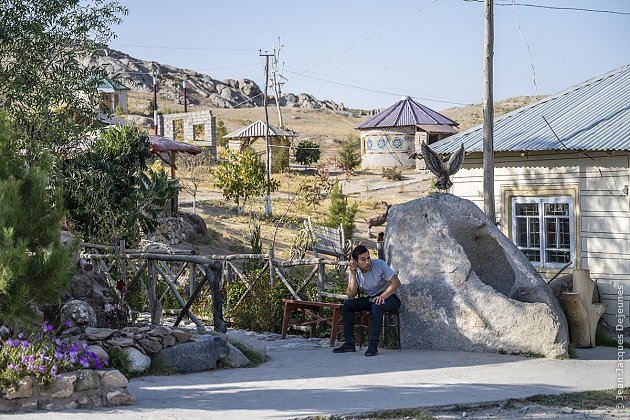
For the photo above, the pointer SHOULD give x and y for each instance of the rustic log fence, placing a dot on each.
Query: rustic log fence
(148, 267)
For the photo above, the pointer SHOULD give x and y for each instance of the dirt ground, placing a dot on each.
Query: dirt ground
(230, 232)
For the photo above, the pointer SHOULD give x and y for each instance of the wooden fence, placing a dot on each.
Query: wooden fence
(213, 271)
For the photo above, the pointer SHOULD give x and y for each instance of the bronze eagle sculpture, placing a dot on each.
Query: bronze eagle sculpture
(442, 169)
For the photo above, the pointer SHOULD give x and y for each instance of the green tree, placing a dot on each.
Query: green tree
(221, 132)
(45, 85)
(350, 156)
(241, 176)
(307, 152)
(110, 192)
(34, 268)
(340, 213)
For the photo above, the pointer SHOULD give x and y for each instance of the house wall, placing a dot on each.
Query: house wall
(388, 147)
(598, 184)
(190, 119)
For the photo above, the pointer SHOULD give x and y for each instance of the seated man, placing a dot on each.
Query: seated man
(381, 285)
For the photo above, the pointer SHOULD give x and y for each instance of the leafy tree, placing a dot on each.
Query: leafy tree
(307, 152)
(242, 176)
(34, 268)
(340, 213)
(221, 132)
(109, 191)
(44, 84)
(350, 156)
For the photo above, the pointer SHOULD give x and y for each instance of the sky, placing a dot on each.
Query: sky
(367, 54)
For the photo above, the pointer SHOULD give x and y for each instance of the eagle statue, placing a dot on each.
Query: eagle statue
(443, 169)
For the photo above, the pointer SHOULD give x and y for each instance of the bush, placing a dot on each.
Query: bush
(110, 192)
(392, 174)
(221, 132)
(43, 357)
(307, 152)
(350, 155)
(340, 213)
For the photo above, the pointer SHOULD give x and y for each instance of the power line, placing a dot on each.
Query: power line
(541, 6)
(373, 90)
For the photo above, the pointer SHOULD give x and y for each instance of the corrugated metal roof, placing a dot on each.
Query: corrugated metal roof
(258, 129)
(110, 86)
(405, 112)
(593, 115)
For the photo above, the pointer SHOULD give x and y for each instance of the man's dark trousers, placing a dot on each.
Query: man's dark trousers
(363, 304)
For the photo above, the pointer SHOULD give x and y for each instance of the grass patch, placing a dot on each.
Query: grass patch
(255, 359)
(602, 338)
(120, 360)
(581, 400)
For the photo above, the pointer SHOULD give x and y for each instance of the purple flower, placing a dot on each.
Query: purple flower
(13, 343)
(74, 347)
(25, 359)
(48, 328)
(31, 358)
(67, 323)
(20, 335)
(84, 346)
(97, 364)
(57, 341)
(30, 367)
(58, 354)
(42, 369)
(25, 344)
(84, 362)
(53, 370)
(73, 359)
(13, 366)
(105, 363)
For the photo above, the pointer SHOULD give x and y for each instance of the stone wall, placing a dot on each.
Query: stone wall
(84, 388)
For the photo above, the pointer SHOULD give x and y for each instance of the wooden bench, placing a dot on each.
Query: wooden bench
(312, 311)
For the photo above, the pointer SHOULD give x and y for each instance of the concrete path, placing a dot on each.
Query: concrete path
(303, 380)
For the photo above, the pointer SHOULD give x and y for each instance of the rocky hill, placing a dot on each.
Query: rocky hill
(201, 88)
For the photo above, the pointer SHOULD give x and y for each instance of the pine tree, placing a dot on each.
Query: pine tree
(340, 213)
(34, 267)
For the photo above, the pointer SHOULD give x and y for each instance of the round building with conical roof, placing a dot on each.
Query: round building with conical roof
(389, 137)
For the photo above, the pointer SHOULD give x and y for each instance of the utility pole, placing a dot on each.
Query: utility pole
(488, 111)
(276, 83)
(155, 106)
(185, 97)
(265, 100)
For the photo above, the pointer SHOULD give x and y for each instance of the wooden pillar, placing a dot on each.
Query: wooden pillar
(155, 306)
(174, 200)
(213, 276)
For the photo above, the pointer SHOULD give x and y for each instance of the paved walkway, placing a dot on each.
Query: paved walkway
(303, 378)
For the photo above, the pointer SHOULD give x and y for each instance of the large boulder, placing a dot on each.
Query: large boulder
(465, 286)
(194, 356)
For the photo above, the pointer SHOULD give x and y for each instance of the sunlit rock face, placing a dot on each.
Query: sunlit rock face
(465, 286)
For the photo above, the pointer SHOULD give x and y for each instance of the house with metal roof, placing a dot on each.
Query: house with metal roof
(250, 135)
(389, 137)
(113, 94)
(562, 171)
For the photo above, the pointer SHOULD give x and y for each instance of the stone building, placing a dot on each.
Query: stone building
(197, 128)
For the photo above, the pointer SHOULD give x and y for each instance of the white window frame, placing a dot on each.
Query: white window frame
(541, 201)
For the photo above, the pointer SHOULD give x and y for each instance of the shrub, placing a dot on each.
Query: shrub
(43, 357)
(350, 156)
(221, 132)
(110, 193)
(340, 213)
(307, 152)
(392, 174)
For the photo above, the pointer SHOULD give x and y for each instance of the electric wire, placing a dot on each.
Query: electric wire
(541, 6)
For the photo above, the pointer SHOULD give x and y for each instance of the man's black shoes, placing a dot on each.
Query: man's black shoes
(371, 351)
(345, 348)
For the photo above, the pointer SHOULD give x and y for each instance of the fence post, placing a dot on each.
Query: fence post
(272, 271)
(213, 275)
(155, 306)
(321, 278)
